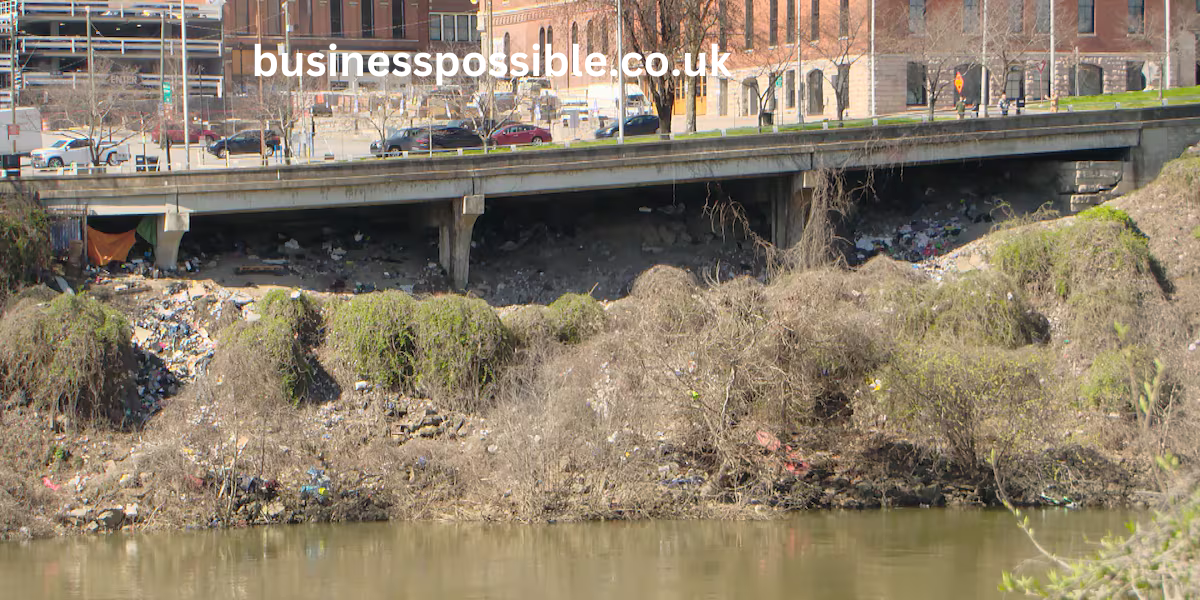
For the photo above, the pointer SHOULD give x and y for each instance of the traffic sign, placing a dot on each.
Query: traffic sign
(166, 92)
(1041, 66)
(958, 82)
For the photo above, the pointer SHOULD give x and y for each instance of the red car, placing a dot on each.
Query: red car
(520, 134)
(195, 135)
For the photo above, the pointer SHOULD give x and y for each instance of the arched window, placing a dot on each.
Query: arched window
(507, 51)
(546, 51)
(541, 59)
(589, 35)
(1090, 80)
(574, 41)
(816, 91)
(605, 32)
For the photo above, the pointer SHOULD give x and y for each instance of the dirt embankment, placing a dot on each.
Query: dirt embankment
(1055, 359)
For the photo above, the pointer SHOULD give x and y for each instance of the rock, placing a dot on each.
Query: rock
(493, 449)
(111, 518)
(431, 421)
(274, 509)
(128, 480)
(362, 386)
(78, 516)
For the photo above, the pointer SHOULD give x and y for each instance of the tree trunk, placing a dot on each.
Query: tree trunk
(691, 105)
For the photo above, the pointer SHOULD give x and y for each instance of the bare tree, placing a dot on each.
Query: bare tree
(103, 111)
(935, 41)
(842, 41)
(280, 107)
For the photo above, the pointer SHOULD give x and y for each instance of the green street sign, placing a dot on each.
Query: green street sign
(166, 92)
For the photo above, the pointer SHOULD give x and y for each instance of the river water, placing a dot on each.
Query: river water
(892, 554)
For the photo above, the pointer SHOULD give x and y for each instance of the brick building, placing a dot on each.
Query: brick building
(1101, 46)
(353, 25)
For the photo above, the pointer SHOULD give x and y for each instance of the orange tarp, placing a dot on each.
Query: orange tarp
(104, 248)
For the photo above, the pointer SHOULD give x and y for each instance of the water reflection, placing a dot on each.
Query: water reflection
(897, 554)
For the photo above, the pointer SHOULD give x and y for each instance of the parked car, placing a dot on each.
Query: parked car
(639, 125)
(520, 134)
(246, 142)
(78, 151)
(399, 140)
(322, 110)
(195, 135)
(448, 137)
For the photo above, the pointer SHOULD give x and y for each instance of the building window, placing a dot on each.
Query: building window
(1137, 16)
(1041, 16)
(789, 88)
(773, 25)
(749, 32)
(368, 18)
(589, 33)
(1135, 76)
(722, 18)
(814, 21)
(604, 29)
(915, 88)
(398, 19)
(844, 20)
(446, 27)
(1016, 16)
(916, 16)
(790, 34)
(335, 18)
(970, 15)
(1087, 16)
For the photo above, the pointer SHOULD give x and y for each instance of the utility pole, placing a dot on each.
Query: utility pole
(983, 70)
(162, 83)
(1167, 61)
(292, 102)
(800, 83)
(872, 101)
(620, 75)
(262, 134)
(1051, 65)
(91, 61)
(187, 144)
(12, 76)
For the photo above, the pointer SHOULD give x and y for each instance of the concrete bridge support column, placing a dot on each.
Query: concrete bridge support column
(791, 200)
(170, 230)
(454, 243)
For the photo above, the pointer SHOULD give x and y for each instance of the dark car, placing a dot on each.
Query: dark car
(448, 137)
(639, 125)
(246, 142)
(399, 140)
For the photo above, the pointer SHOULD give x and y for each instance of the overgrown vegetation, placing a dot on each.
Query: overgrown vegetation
(460, 344)
(264, 361)
(372, 334)
(24, 241)
(301, 313)
(71, 356)
(576, 317)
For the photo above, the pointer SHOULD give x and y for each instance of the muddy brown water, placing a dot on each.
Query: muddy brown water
(894, 554)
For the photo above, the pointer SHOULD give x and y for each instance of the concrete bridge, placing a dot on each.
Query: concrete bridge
(453, 188)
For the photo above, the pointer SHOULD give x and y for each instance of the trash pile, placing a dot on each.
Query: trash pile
(173, 346)
(914, 241)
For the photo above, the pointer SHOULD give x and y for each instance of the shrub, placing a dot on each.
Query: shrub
(24, 241)
(1106, 383)
(576, 317)
(980, 307)
(72, 355)
(1158, 560)
(460, 342)
(528, 326)
(1073, 257)
(297, 309)
(372, 333)
(263, 359)
(668, 298)
(1105, 212)
(966, 398)
(1029, 257)
(1196, 232)
(36, 293)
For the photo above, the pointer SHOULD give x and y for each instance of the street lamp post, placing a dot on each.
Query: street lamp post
(800, 83)
(187, 145)
(620, 75)
(983, 70)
